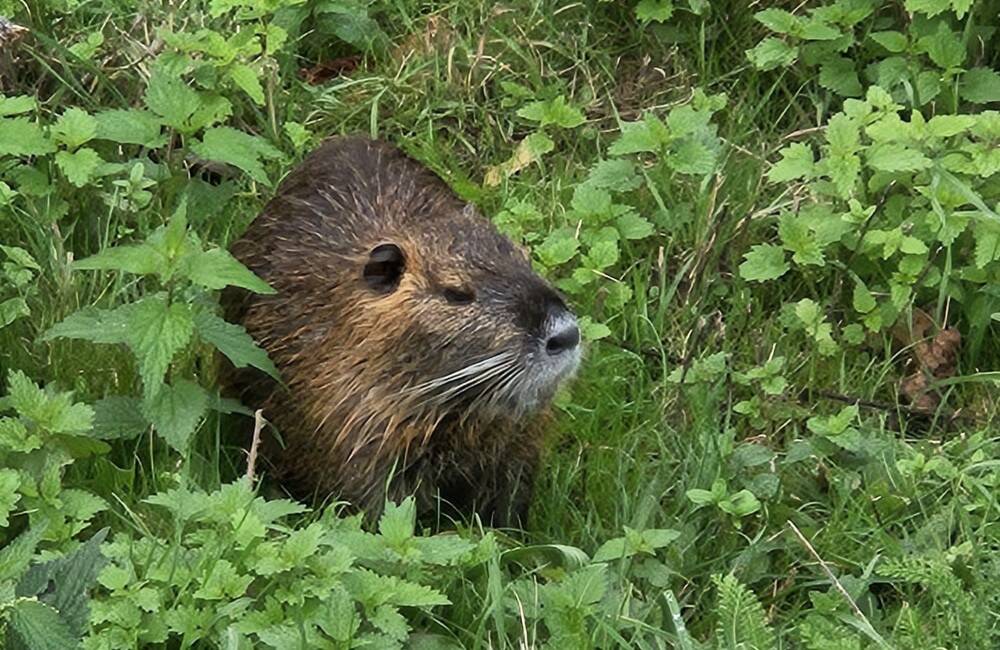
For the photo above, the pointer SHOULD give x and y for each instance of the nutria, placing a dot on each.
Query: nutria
(418, 348)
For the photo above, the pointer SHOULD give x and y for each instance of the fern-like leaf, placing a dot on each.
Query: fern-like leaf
(741, 623)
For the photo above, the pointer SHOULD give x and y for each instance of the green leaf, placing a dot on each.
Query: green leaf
(796, 162)
(691, 156)
(980, 86)
(12, 309)
(632, 226)
(9, 482)
(559, 247)
(130, 127)
(740, 504)
(603, 254)
(22, 137)
(892, 41)
(815, 29)
(654, 10)
(233, 341)
(987, 244)
(91, 324)
(79, 166)
(592, 331)
(553, 111)
(17, 105)
(839, 75)
(140, 259)
(863, 301)
(118, 417)
(896, 158)
(74, 127)
(741, 621)
(172, 99)
(63, 583)
(397, 522)
(217, 269)
(929, 7)
(616, 174)
(778, 20)
(17, 554)
(944, 47)
(176, 411)
(772, 53)
(797, 237)
(157, 331)
(646, 135)
(15, 437)
(248, 81)
(764, 262)
(946, 126)
(241, 150)
(37, 626)
(223, 582)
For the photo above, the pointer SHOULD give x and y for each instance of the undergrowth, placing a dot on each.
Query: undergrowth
(780, 225)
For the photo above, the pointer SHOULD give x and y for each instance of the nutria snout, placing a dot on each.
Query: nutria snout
(419, 348)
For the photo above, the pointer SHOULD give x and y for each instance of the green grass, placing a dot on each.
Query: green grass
(630, 442)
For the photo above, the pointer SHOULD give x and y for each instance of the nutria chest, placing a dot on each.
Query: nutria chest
(418, 348)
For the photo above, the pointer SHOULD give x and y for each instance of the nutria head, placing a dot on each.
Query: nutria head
(404, 325)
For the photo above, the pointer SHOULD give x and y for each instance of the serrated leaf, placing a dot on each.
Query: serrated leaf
(118, 417)
(217, 269)
(616, 174)
(944, 47)
(559, 247)
(63, 583)
(9, 482)
(17, 105)
(839, 75)
(233, 341)
(130, 127)
(248, 81)
(91, 324)
(691, 156)
(528, 150)
(37, 626)
(552, 111)
(797, 237)
(172, 99)
(646, 135)
(175, 412)
(74, 127)
(796, 162)
(157, 331)
(778, 20)
(140, 259)
(372, 588)
(980, 86)
(654, 10)
(764, 262)
(929, 7)
(78, 166)
(22, 137)
(12, 309)
(772, 53)
(397, 522)
(815, 29)
(987, 244)
(603, 254)
(946, 126)
(236, 148)
(896, 158)
(892, 41)
(632, 226)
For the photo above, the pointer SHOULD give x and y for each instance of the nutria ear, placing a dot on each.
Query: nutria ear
(384, 268)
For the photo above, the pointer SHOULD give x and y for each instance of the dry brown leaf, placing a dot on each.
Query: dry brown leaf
(930, 359)
(326, 70)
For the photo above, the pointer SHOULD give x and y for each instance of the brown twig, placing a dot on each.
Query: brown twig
(258, 426)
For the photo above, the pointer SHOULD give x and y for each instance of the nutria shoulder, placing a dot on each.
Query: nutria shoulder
(418, 348)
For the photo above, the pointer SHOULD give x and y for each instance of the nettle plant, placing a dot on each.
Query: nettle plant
(163, 324)
(900, 197)
(619, 203)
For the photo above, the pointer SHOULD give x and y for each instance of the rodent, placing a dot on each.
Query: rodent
(419, 348)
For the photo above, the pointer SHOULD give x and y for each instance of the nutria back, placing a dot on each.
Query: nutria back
(418, 348)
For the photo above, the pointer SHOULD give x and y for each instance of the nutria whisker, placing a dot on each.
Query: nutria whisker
(397, 387)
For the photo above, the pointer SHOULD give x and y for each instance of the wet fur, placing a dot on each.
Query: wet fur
(363, 416)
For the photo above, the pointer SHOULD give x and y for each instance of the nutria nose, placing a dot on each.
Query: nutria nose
(565, 337)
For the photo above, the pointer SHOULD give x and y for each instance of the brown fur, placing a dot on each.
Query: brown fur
(355, 418)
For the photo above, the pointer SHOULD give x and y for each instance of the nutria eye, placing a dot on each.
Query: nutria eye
(456, 296)
(384, 268)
